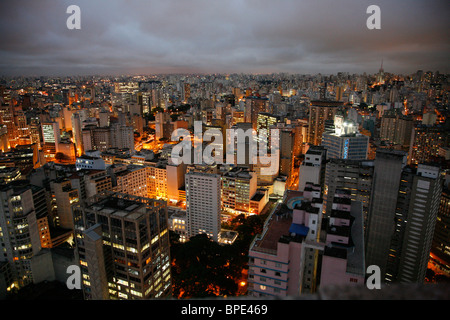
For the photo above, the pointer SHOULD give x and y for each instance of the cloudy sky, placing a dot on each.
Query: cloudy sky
(226, 36)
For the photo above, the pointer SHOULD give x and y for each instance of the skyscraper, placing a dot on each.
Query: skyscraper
(122, 244)
(203, 205)
(402, 215)
(345, 142)
(319, 112)
(441, 240)
(415, 219)
(22, 211)
(386, 182)
(354, 176)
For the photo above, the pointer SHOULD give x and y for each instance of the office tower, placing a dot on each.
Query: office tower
(162, 125)
(7, 119)
(215, 139)
(64, 197)
(130, 179)
(266, 121)
(319, 112)
(51, 132)
(77, 133)
(95, 182)
(186, 92)
(35, 132)
(426, 142)
(4, 143)
(103, 118)
(238, 187)
(388, 169)
(138, 124)
(253, 106)
(283, 259)
(402, 215)
(103, 138)
(343, 256)
(157, 183)
(354, 176)
(51, 138)
(22, 211)
(396, 129)
(415, 218)
(203, 203)
(237, 116)
(22, 134)
(122, 244)
(441, 240)
(345, 142)
(287, 143)
(313, 167)
(122, 137)
(242, 147)
(175, 181)
(95, 138)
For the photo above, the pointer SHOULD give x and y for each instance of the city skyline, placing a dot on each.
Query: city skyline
(211, 37)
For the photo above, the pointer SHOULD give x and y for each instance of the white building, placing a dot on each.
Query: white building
(203, 203)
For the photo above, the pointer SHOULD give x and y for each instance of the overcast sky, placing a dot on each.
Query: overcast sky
(223, 36)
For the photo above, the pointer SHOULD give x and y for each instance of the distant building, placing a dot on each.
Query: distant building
(319, 112)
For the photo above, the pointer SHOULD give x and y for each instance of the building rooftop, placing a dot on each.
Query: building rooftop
(119, 207)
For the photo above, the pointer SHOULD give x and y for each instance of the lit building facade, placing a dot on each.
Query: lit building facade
(203, 205)
(122, 245)
(238, 187)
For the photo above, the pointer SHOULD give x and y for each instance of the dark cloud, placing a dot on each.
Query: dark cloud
(258, 36)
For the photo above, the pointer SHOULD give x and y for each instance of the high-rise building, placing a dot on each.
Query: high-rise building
(426, 142)
(441, 240)
(396, 129)
(345, 142)
(64, 197)
(130, 179)
(77, 133)
(203, 205)
(238, 187)
(23, 211)
(103, 138)
(388, 168)
(122, 244)
(354, 176)
(313, 167)
(415, 218)
(402, 215)
(319, 112)
(253, 106)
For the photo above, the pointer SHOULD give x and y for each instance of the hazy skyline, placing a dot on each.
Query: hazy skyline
(208, 36)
